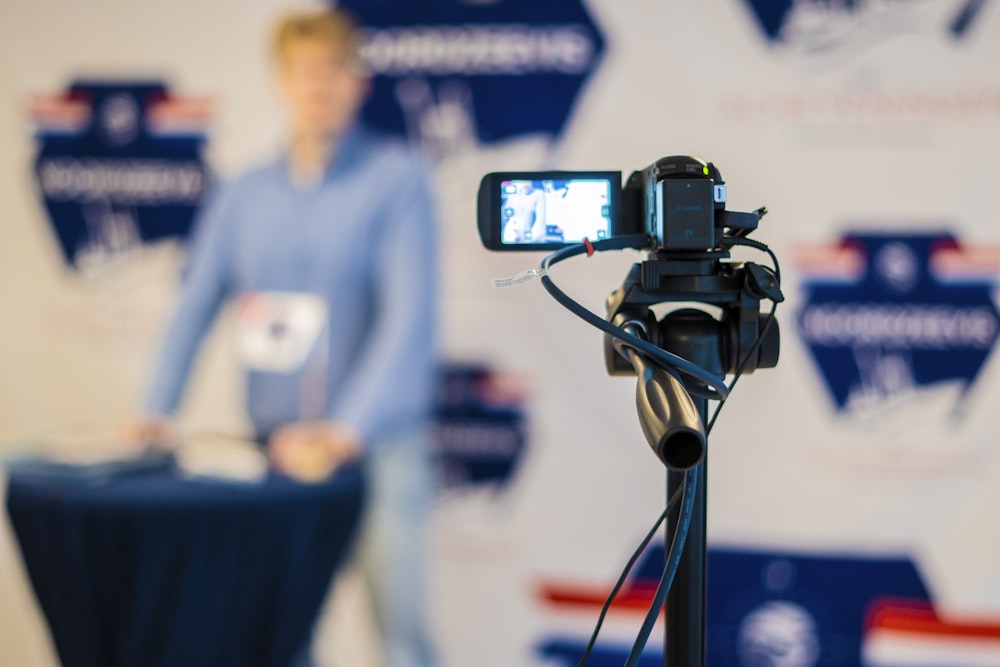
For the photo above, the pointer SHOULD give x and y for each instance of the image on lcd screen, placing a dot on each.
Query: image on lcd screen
(555, 211)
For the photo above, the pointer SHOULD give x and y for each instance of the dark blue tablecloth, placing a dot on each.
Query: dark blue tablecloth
(152, 570)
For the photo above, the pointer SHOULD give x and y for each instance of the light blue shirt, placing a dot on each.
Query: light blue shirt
(362, 240)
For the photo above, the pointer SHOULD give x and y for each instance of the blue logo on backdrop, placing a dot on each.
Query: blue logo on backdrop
(885, 315)
(763, 609)
(450, 72)
(481, 426)
(789, 610)
(818, 25)
(772, 609)
(119, 164)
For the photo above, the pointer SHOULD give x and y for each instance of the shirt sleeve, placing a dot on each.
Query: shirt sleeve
(204, 286)
(390, 388)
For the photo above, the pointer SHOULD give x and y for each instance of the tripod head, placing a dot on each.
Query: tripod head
(739, 339)
(735, 288)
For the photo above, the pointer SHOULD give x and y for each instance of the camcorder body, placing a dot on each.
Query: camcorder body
(678, 202)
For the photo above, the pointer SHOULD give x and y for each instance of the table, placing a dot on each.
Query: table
(152, 569)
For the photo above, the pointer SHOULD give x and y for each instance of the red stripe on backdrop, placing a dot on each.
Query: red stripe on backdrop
(918, 617)
(635, 598)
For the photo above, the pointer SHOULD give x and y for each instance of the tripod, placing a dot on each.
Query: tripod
(739, 339)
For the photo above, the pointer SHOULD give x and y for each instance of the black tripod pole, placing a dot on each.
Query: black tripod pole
(684, 626)
(697, 337)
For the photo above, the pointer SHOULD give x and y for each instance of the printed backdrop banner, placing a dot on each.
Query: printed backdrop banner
(497, 69)
(852, 490)
(118, 164)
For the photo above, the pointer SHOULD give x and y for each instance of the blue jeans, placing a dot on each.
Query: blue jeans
(391, 550)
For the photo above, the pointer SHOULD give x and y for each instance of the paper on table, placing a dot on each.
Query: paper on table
(223, 458)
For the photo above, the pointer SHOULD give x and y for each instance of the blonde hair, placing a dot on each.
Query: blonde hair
(330, 26)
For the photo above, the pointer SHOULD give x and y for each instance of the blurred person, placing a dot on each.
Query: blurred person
(329, 251)
(527, 209)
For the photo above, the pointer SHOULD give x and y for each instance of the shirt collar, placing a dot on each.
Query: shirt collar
(346, 153)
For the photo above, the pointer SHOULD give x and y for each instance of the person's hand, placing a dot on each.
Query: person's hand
(156, 433)
(312, 451)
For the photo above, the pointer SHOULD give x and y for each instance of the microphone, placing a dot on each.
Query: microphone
(668, 417)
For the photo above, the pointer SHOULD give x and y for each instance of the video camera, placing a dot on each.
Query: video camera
(676, 209)
(679, 202)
